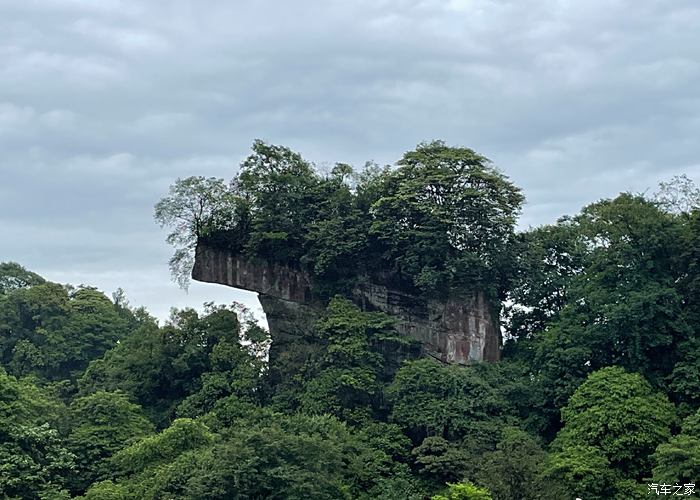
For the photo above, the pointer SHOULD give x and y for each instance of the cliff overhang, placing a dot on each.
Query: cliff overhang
(461, 329)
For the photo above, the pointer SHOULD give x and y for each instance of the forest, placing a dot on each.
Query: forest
(596, 395)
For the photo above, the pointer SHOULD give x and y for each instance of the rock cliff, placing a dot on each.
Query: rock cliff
(458, 330)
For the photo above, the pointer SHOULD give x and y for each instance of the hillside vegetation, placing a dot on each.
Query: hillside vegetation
(597, 394)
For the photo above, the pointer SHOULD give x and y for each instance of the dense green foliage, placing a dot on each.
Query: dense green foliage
(443, 219)
(612, 424)
(677, 461)
(610, 286)
(596, 396)
(101, 424)
(347, 377)
(464, 491)
(34, 459)
(53, 331)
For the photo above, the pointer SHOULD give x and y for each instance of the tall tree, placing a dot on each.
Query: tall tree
(549, 259)
(432, 399)
(512, 469)
(619, 418)
(195, 207)
(282, 190)
(447, 218)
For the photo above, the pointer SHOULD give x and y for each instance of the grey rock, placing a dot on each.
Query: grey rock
(458, 330)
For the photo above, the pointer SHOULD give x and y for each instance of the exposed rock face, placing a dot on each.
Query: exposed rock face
(459, 330)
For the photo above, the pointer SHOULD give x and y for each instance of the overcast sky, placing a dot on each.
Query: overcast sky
(104, 103)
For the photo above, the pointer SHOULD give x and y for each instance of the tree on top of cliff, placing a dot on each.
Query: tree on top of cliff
(195, 207)
(446, 218)
(282, 189)
(443, 219)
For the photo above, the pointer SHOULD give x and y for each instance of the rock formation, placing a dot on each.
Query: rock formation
(458, 330)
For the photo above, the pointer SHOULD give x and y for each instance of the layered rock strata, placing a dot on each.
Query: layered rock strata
(460, 330)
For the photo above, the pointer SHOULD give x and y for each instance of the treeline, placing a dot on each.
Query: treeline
(597, 395)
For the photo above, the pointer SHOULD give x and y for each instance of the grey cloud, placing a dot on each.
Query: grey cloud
(104, 104)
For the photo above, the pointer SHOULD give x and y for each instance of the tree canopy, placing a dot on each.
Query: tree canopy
(443, 219)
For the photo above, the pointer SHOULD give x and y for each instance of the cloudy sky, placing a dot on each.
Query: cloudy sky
(104, 103)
